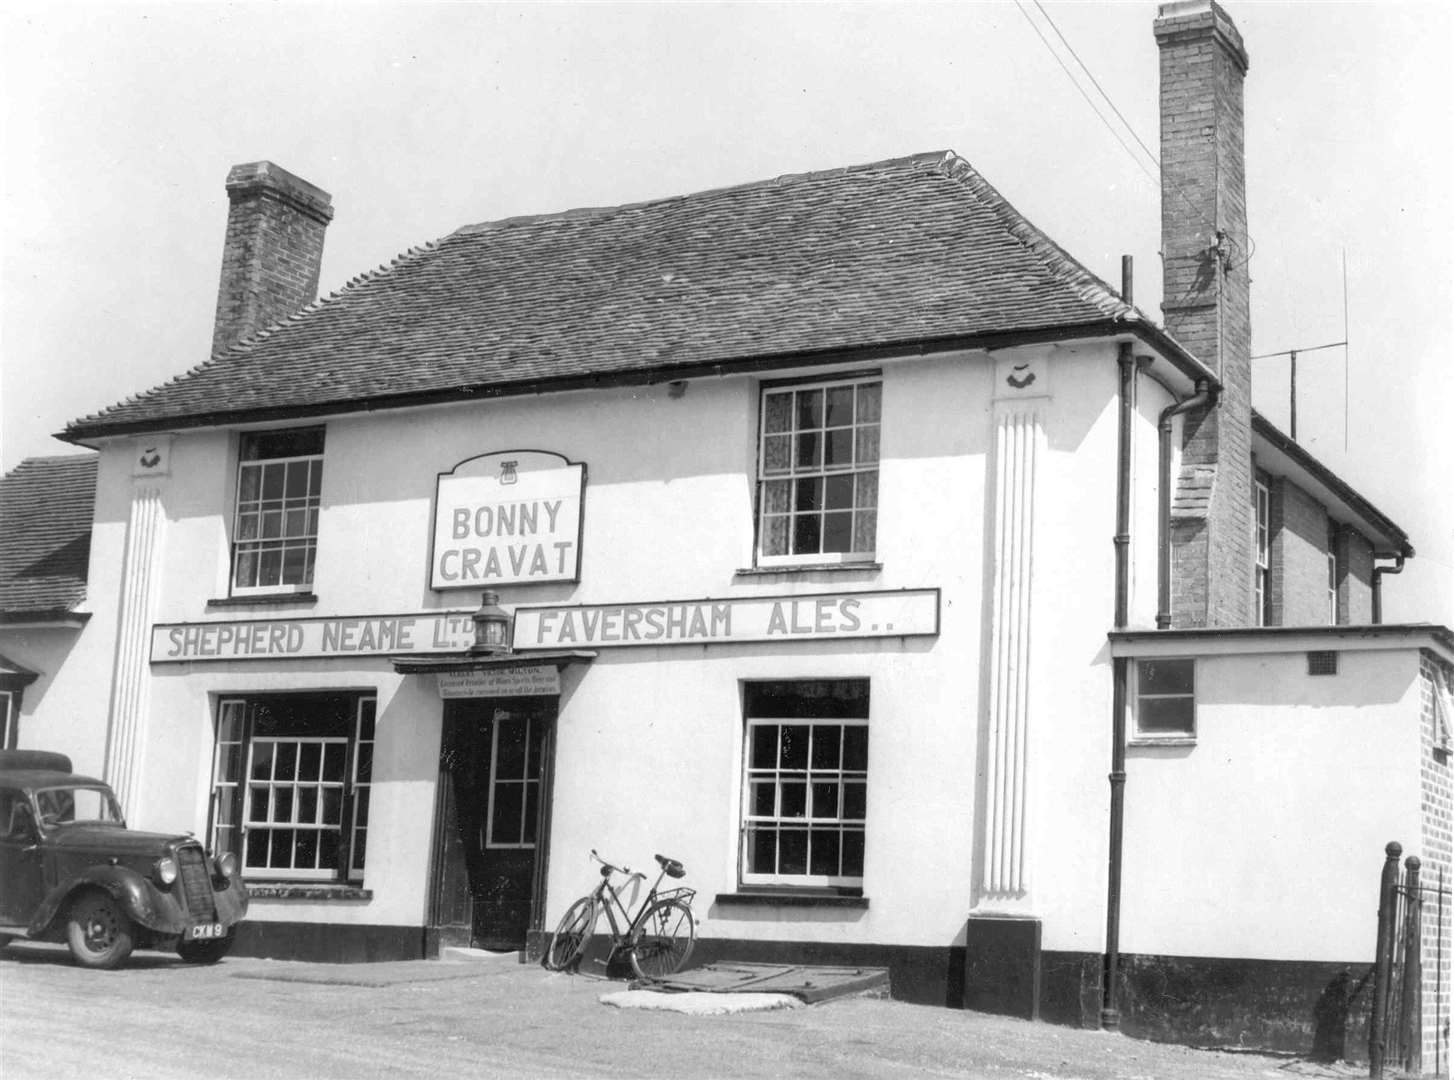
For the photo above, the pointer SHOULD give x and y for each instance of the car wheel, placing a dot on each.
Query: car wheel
(204, 952)
(99, 933)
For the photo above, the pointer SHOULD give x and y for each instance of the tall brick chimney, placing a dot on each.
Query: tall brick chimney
(273, 250)
(1205, 249)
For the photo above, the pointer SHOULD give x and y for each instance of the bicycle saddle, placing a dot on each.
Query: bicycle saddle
(672, 868)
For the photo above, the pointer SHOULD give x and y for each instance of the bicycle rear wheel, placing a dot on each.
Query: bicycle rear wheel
(571, 935)
(663, 939)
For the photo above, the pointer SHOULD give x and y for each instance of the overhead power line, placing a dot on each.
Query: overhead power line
(1155, 173)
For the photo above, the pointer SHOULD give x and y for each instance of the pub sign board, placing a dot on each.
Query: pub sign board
(800, 617)
(509, 518)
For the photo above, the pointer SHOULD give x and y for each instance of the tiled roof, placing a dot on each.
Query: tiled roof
(45, 535)
(913, 250)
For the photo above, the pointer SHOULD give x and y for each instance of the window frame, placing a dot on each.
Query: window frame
(794, 474)
(751, 822)
(1138, 696)
(9, 719)
(230, 814)
(530, 783)
(311, 507)
(1262, 552)
(1334, 574)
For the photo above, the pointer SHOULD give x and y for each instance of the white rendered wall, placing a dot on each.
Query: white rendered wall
(650, 740)
(1265, 839)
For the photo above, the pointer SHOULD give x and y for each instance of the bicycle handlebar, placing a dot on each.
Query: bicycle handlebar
(609, 868)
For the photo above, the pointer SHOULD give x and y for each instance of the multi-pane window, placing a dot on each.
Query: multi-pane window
(1332, 574)
(514, 810)
(291, 783)
(818, 471)
(275, 529)
(9, 707)
(1262, 573)
(805, 782)
(1165, 698)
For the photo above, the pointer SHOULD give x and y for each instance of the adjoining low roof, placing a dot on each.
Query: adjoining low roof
(914, 252)
(1280, 454)
(46, 506)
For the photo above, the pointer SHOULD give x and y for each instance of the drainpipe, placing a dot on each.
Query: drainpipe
(1204, 395)
(1110, 1015)
(1121, 666)
(1123, 481)
(1378, 572)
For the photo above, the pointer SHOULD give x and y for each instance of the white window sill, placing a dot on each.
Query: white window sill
(264, 600)
(1162, 740)
(810, 568)
(307, 890)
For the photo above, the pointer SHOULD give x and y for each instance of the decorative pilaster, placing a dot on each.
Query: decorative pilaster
(1019, 439)
(131, 675)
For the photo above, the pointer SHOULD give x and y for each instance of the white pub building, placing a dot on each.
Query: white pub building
(838, 535)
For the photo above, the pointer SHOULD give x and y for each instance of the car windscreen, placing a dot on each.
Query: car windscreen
(72, 804)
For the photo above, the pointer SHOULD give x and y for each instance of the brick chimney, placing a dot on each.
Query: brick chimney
(1205, 305)
(273, 250)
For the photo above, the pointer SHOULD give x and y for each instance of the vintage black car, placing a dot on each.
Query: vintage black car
(70, 870)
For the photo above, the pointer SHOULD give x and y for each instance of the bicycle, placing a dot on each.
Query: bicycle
(658, 939)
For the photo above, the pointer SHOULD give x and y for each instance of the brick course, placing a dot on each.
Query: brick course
(272, 251)
(1206, 307)
(1437, 856)
(1299, 557)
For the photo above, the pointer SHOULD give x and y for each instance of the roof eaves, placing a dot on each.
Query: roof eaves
(1400, 543)
(86, 427)
(640, 377)
(45, 618)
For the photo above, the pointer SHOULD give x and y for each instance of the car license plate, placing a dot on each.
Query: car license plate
(205, 930)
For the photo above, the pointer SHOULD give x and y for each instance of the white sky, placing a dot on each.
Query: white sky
(120, 121)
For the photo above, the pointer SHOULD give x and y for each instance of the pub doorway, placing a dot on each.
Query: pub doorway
(491, 821)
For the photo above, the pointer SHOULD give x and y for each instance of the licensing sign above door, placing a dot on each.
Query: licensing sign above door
(512, 518)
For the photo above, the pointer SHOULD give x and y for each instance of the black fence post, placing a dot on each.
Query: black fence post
(1411, 1000)
(1383, 956)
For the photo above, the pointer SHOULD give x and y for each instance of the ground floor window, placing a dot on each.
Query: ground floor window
(805, 782)
(1166, 698)
(291, 783)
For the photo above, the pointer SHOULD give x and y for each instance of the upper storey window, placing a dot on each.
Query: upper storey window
(1262, 541)
(818, 472)
(275, 530)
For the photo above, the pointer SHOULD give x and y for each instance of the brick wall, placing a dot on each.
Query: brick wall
(1437, 856)
(272, 252)
(1205, 304)
(1299, 557)
(1355, 586)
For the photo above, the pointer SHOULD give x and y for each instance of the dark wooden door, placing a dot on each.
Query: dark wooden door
(493, 778)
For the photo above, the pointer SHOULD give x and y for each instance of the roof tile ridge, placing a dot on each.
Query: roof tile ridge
(924, 158)
(244, 345)
(342, 294)
(90, 458)
(1089, 286)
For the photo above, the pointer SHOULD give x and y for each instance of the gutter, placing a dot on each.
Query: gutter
(79, 432)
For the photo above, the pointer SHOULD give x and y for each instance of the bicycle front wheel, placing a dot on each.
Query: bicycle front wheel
(663, 939)
(571, 935)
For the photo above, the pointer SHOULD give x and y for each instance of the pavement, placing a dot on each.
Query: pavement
(251, 1019)
(460, 963)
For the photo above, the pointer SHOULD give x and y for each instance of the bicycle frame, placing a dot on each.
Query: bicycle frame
(606, 891)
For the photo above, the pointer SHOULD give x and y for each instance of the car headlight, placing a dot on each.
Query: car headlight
(227, 865)
(165, 870)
